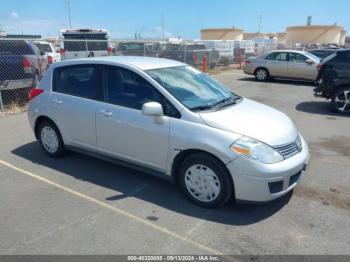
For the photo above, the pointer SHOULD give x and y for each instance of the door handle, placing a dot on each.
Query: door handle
(58, 102)
(106, 113)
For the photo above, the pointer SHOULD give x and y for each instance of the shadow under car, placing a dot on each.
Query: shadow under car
(127, 182)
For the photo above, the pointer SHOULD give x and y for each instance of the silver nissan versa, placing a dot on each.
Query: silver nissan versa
(166, 118)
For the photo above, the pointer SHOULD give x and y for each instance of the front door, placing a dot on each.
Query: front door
(299, 68)
(122, 130)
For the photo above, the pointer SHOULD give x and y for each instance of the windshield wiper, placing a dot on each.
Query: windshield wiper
(224, 102)
(227, 101)
(202, 107)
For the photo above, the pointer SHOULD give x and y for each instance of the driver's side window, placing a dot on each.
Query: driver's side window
(128, 89)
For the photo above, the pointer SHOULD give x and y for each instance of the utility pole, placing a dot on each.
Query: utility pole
(260, 19)
(163, 30)
(69, 15)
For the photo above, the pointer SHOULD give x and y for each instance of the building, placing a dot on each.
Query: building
(315, 34)
(222, 34)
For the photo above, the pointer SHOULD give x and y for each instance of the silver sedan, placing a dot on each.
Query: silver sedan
(290, 64)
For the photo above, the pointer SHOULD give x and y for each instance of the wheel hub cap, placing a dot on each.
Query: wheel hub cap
(342, 101)
(261, 74)
(202, 183)
(49, 139)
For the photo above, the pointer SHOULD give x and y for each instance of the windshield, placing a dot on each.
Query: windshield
(195, 90)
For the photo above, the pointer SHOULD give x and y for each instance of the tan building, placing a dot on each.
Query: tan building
(222, 34)
(250, 36)
(318, 34)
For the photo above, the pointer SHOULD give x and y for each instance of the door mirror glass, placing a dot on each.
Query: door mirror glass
(152, 109)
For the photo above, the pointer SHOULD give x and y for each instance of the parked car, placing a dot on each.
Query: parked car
(48, 51)
(133, 48)
(290, 64)
(323, 53)
(169, 119)
(196, 52)
(21, 65)
(333, 81)
(168, 50)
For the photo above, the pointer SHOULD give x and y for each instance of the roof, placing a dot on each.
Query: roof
(140, 62)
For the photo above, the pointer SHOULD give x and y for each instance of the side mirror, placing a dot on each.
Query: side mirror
(309, 61)
(152, 109)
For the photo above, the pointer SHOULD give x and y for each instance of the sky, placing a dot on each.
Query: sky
(181, 18)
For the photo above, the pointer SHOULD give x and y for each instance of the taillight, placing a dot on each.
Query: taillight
(247, 62)
(34, 93)
(49, 59)
(319, 67)
(110, 50)
(62, 53)
(27, 66)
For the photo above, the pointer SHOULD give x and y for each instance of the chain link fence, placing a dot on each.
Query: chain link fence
(23, 62)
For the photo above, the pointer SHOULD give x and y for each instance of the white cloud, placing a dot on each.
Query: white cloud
(14, 15)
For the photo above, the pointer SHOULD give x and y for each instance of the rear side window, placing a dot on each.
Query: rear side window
(279, 56)
(82, 81)
(46, 48)
(128, 89)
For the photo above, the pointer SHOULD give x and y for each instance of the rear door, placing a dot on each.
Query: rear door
(73, 103)
(122, 130)
(299, 68)
(277, 64)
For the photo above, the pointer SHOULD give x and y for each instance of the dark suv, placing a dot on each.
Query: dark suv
(333, 81)
(21, 64)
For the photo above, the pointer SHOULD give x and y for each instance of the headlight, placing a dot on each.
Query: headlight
(256, 150)
(299, 143)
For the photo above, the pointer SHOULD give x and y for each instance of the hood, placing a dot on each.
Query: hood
(255, 120)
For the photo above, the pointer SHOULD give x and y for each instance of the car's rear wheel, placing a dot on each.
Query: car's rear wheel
(205, 180)
(261, 74)
(341, 101)
(51, 140)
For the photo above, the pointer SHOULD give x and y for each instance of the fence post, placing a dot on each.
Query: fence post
(204, 63)
(240, 58)
(1, 103)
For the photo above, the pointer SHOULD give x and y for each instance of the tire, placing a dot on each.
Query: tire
(341, 101)
(262, 74)
(211, 186)
(50, 139)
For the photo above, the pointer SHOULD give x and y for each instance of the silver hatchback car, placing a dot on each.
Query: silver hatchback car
(289, 64)
(168, 119)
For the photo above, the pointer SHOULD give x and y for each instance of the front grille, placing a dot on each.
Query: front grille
(288, 150)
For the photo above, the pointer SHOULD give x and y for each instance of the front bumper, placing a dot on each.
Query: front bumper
(265, 182)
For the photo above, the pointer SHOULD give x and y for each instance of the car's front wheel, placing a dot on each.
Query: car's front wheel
(51, 140)
(341, 101)
(261, 74)
(205, 180)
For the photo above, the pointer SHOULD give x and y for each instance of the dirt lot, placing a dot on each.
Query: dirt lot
(81, 205)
